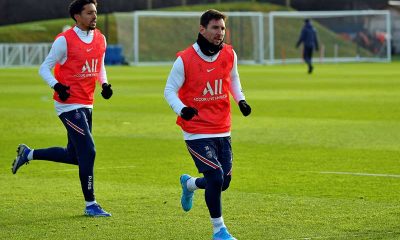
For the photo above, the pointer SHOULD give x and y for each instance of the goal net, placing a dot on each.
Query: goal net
(344, 36)
(154, 37)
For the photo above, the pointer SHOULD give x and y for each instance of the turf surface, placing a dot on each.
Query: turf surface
(317, 159)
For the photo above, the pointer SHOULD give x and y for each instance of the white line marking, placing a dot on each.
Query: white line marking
(359, 236)
(363, 174)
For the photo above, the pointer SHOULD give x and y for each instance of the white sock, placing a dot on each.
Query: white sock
(217, 223)
(191, 184)
(30, 155)
(90, 203)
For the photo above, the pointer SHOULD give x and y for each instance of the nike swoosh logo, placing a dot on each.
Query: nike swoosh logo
(89, 49)
(209, 70)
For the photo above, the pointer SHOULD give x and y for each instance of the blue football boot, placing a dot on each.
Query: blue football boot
(223, 234)
(95, 210)
(21, 159)
(187, 195)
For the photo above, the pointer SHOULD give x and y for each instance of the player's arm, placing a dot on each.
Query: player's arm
(236, 89)
(175, 80)
(107, 92)
(57, 54)
(301, 38)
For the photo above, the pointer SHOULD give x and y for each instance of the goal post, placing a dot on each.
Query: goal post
(344, 36)
(154, 37)
(160, 35)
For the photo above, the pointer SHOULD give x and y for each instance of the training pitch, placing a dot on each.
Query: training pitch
(318, 158)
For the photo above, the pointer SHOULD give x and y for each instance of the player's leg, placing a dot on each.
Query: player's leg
(217, 181)
(79, 126)
(200, 150)
(56, 154)
(205, 155)
(213, 191)
(308, 58)
(225, 159)
(311, 56)
(214, 179)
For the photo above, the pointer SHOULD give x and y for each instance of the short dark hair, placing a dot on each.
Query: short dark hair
(76, 6)
(211, 14)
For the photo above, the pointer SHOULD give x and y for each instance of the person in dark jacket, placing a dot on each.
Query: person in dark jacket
(309, 39)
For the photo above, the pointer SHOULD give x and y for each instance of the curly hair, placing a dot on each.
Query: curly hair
(77, 6)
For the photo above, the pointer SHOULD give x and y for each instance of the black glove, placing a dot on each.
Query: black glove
(62, 91)
(107, 92)
(188, 113)
(244, 108)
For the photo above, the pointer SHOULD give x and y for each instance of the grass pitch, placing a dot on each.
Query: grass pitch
(317, 159)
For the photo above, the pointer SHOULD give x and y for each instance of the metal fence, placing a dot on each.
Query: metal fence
(23, 54)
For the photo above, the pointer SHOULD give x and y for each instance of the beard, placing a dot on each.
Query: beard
(92, 25)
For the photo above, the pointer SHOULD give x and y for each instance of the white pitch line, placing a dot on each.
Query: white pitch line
(363, 174)
(364, 236)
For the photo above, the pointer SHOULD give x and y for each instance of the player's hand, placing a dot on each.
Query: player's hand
(107, 92)
(244, 108)
(188, 113)
(62, 91)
